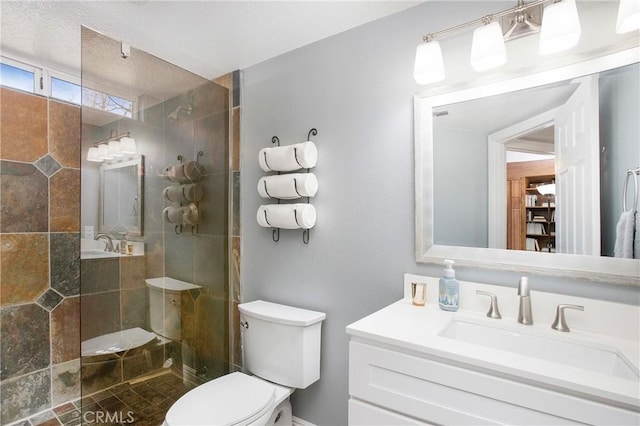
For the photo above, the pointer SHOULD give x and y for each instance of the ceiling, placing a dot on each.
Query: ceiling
(208, 38)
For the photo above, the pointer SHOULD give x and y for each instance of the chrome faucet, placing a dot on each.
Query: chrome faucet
(493, 312)
(525, 315)
(559, 323)
(109, 244)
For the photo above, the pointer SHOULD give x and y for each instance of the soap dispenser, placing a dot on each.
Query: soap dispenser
(449, 294)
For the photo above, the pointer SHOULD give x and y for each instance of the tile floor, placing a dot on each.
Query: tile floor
(139, 403)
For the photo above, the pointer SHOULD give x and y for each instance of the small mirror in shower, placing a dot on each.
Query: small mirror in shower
(121, 197)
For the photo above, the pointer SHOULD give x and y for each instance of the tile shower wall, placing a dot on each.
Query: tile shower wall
(39, 240)
(39, 254)
(201, 257)
(197, 256)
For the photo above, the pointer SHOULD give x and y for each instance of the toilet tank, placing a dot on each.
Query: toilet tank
(165, 305)
(281, 343)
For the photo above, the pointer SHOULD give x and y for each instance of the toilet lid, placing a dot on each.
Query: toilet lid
(232, 399)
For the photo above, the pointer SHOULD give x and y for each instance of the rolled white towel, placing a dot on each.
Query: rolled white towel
(287, 216)
(288, 158)
(288, 187)
(185, 215)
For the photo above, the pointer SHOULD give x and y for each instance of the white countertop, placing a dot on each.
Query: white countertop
(413, 328)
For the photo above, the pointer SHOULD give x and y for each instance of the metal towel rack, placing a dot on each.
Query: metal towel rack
(635, 173)
(275, 233)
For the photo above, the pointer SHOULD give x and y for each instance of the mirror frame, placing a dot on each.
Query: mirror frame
(139, 162)
(592, 268)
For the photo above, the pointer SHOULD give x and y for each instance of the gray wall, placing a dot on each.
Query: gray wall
(461, 216)
(357, 89)
(620, 143)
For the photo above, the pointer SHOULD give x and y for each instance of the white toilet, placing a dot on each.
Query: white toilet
(281, 348)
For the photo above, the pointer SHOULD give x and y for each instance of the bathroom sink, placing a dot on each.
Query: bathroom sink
(557, 349)
(97, 254)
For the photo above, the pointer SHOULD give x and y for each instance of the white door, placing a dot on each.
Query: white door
(578, 171)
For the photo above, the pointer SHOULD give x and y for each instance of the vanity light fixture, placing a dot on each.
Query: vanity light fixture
(559, 27)
(428, 67)
(628, 16)
(487, 47)
(113, 147)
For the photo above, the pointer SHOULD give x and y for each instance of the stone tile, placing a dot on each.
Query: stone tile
(48, 165)
(100, 314)
(65, 263)
(210, 256)
(70, 418)
(236, 88)
(236, 336)
(64, 408)
(24, 267)
(235, 147)
(212, 138)
(65, 201)
(212, 333)
(24, 198)
(64, 133)
(18, 141)
(99, 275)
(135, 308)
(236, 257)
(187, 319)
(24, 332)
(25, 395)
(210, 98)
(65, 330)
(43, 418)
(225, 80)
(214, 206)
(65, 382)
(235, 199)
(97, 376)
(133, 272)
(49, 299)
(179, 256)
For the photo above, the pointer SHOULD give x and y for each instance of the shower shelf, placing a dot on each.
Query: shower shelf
(116, 342)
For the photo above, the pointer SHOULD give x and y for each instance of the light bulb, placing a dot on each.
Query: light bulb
(628, 16)
(103, 152)
(92, 155)
(560, 27)
(128, 145)
(428, 67)
(487, 48)
(114, 149)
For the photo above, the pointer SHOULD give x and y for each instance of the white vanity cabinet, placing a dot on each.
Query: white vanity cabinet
(400, 378)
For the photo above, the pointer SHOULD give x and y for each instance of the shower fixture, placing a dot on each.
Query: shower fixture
(175, 115)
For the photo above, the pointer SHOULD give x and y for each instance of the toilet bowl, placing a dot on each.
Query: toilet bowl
(282, 352)
(234, 399)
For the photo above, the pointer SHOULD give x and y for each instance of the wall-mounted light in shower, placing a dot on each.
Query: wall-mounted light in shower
(113, 147)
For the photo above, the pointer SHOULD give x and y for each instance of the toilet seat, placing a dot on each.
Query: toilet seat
(233, 399)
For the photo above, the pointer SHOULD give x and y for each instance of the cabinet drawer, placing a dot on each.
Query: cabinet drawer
(447, 394)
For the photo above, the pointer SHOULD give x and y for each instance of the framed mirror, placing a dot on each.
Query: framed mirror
(121, 197)
(461, 202)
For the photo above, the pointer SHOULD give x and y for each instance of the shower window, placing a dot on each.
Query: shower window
(106, 102)
(17, 78)
(65, 91)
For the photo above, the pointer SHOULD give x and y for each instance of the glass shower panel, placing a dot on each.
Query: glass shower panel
(154, 301)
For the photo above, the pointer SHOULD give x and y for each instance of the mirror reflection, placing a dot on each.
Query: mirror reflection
(578, 137)
(121, 197)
